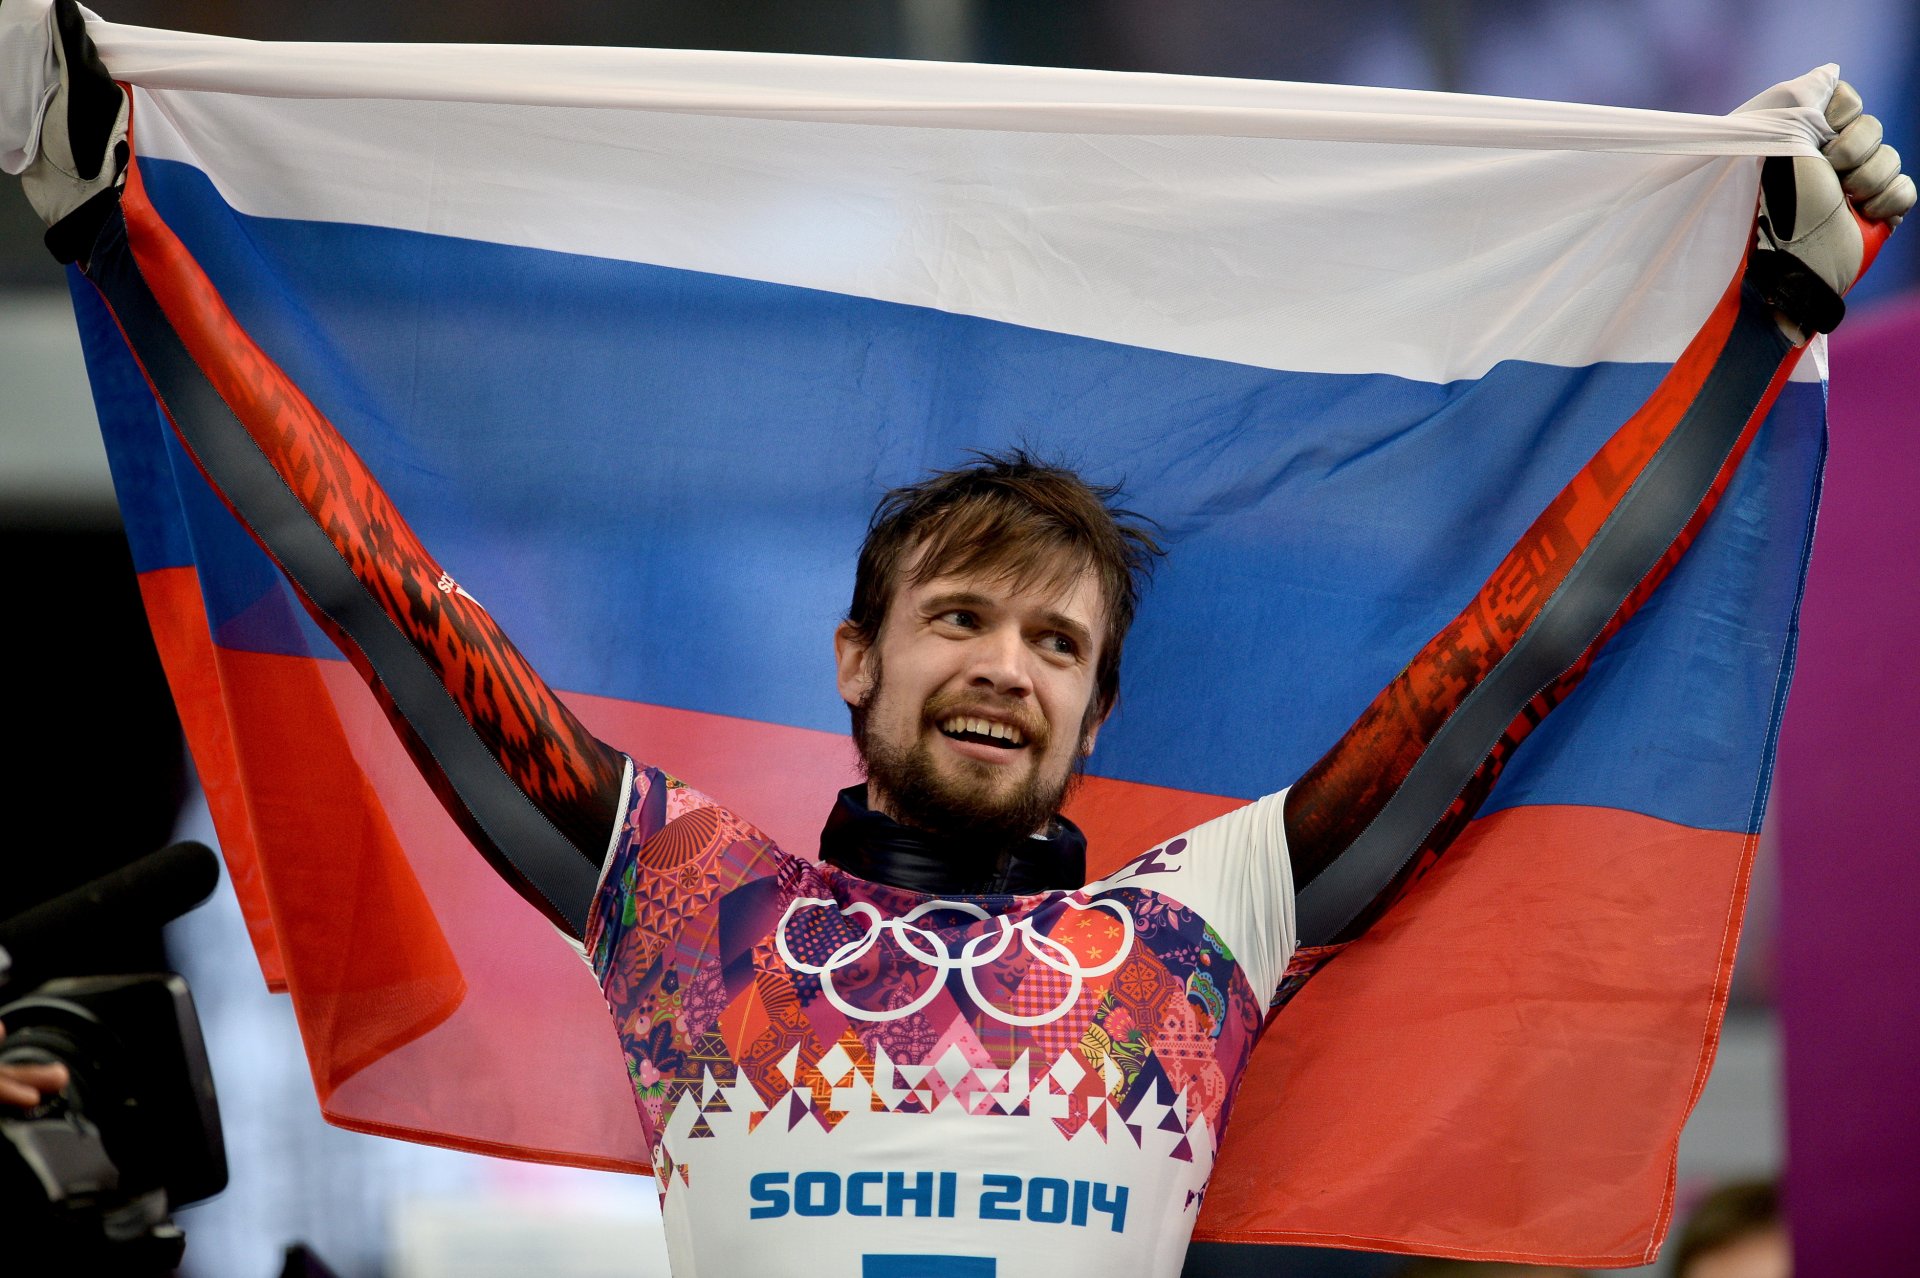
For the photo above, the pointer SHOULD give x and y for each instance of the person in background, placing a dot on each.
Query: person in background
(1429, 1267)
(1737, 1231)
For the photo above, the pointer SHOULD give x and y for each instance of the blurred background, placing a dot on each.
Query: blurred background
(372, 1207)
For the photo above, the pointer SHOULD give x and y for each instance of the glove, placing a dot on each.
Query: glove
(83, 139)
(1814, 235)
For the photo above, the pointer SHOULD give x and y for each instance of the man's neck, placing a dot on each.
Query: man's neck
(873, 845)
(880, 803)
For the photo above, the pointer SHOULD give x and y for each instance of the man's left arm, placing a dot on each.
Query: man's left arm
(1401, 783)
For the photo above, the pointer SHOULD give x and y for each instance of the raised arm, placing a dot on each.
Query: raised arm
(530, 786)
(1400, 784)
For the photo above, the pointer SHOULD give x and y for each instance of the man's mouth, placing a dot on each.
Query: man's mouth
(1003, 736)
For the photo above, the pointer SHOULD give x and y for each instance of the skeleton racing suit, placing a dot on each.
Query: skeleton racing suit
(842, 1076)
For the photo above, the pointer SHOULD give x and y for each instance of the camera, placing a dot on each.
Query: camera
(90, 1175)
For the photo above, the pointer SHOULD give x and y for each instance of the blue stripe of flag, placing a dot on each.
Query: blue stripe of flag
(657, 480)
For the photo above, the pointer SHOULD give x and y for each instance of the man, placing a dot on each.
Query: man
(1009, 1072)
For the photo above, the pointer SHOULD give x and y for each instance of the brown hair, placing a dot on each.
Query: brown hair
(1010, 516)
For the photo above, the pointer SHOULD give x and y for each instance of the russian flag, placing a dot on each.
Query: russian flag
(635, 340)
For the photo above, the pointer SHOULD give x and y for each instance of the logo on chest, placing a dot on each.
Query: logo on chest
(820, 937)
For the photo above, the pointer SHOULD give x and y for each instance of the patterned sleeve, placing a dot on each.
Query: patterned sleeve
(674, 854)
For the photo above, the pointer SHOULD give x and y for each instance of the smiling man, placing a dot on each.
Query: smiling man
(938, 1052)
(979, 658)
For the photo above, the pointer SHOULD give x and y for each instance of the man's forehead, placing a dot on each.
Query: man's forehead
(1060, 583)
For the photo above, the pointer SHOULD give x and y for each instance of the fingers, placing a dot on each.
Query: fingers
(1893, 203)
(1855, 143)
(1873, 176)
(24, 1085)
(13, 1093)
(1844, 106)
(1869, 169)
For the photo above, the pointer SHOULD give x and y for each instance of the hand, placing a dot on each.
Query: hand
(1814, 230)
(82, 146)
(1869, 170)
(27, 1085)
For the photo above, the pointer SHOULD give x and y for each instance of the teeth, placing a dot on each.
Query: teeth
(984, 728)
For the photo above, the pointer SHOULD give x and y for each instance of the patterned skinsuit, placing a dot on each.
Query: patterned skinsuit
(889, 1082)
(842, 1077)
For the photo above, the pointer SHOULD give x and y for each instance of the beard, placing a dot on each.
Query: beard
(967, 806)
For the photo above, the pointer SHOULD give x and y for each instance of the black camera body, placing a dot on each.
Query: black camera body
(89, 1175)
(93, 1171)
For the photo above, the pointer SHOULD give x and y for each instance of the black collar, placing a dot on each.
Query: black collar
(873, 846)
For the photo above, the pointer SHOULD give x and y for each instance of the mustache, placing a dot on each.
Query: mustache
(945, 706)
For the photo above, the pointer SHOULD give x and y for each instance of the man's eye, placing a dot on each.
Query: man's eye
(1060, 644)
(959, 617)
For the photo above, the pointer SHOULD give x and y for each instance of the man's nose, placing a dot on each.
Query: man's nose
(1000, 660)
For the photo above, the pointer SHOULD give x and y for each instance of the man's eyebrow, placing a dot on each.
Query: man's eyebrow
(955, 599)
(1060, 621)
(1071, 628)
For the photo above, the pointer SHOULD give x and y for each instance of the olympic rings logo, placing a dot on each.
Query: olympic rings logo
(927, 947)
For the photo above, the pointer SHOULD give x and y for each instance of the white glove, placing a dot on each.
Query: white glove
(1869, 170)
(82, 145)
(1810, 246)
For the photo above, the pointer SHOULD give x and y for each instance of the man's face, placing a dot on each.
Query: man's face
(977, 701)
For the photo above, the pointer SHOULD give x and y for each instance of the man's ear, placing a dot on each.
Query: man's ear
(850, 653)
(1091, 732)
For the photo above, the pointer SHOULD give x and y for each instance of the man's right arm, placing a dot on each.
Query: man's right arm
(529, 785)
